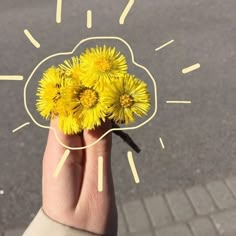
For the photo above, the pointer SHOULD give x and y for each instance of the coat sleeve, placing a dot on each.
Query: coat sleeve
(42, 225)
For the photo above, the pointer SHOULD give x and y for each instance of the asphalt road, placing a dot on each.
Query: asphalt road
(199, 138)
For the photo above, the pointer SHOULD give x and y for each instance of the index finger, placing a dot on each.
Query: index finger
(66, 186)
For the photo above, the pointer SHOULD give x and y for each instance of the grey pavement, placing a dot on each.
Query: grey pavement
(157, 215)
(199, 138)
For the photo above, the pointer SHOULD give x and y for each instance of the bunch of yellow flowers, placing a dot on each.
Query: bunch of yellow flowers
(87, 89)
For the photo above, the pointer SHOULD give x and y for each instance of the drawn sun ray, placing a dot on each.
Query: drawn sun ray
(89, 19)
(162, 144)
(126, 11)
(191, 68)
(100, 174)
(61, 163)
(164, 45)
(133, 167)
(58, 12)
(178, 102)
(11, 77)
(20, 127)
(31, 38)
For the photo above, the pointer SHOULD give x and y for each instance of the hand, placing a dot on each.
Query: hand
(73, 198)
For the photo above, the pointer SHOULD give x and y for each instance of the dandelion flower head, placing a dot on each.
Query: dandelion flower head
(100, 64)
(71, 68)
(49, 92)
(86, 105)
(69, 125)
(127, 97)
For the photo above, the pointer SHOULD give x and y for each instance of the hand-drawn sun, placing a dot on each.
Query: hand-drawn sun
(89, 26)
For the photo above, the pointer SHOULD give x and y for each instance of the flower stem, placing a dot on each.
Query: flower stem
(126, 138)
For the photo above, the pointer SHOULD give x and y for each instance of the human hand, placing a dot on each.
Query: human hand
(73, 198)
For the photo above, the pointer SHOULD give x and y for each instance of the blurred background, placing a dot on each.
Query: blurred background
(199, 138)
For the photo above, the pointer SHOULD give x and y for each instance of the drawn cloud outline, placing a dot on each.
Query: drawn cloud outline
(70, 53)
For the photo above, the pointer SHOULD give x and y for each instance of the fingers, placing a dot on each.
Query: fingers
(102, 149)
(73, 198)
(61, 194)
(99, 207)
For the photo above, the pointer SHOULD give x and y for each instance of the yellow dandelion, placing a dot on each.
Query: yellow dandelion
(100, 64)
(69, 124)
(71, 68)
(126, 97)
(49, 92)
(86, 105)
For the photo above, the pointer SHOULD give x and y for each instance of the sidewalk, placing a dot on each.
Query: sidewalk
(208, 210)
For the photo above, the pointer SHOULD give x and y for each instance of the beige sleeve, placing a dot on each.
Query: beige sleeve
(42, 225)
